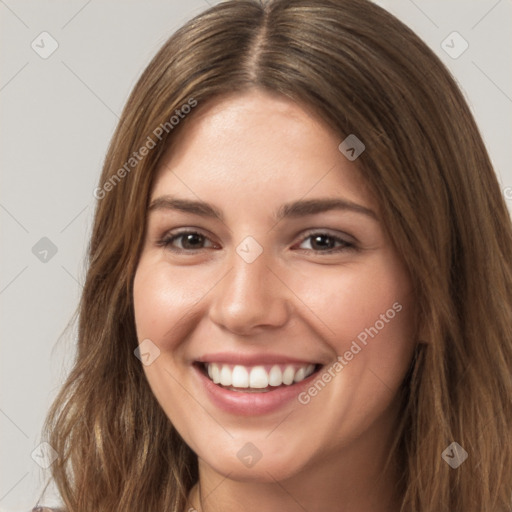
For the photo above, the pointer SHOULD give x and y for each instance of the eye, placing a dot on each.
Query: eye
(326, 243)
(318, 242)
(186, 241)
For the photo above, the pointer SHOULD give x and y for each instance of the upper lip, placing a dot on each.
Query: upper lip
(252, 359)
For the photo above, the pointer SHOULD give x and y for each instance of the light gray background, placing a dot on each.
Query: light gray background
(57, 116)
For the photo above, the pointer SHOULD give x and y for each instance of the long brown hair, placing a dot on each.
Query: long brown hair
(440, 202)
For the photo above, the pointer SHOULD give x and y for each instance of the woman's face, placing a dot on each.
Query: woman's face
(265, 260)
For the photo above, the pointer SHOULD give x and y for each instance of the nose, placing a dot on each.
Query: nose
(250, 297)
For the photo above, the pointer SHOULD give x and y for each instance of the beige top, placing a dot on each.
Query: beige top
(46, 509)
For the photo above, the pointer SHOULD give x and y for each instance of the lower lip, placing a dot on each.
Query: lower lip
(251, 404)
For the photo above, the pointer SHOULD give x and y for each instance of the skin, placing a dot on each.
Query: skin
(248, 154)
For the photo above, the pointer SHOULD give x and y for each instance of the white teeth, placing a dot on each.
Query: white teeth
(299, 375)
(225, 376)
(275, 377)
(240, 377)
(215, 376)
(288, 375)
(304, 372)
(257, 377)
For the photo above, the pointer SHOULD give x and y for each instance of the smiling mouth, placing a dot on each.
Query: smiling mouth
(258, 378)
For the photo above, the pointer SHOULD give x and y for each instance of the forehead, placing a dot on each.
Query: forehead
(255, 143)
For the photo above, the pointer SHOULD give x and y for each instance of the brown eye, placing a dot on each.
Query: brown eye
(186, 241)
(324, 242)
(191, 241)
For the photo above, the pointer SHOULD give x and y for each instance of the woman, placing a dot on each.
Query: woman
(299, 291)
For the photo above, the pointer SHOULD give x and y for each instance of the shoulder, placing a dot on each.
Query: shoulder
(47, 509)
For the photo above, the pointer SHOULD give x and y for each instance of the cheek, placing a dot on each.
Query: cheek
(367, 313)
(164, 297)
(358, 300)
(166, 312)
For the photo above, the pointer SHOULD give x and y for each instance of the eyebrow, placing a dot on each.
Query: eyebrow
(295, 209)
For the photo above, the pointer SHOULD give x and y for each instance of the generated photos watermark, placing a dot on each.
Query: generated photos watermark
(454, 455)
(357, 345)
(151, 142)
(147, 352)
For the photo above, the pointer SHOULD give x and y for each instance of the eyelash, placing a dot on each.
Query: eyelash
(168, 240)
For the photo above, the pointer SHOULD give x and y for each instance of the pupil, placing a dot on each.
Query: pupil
(322, 241)
(191, 240)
